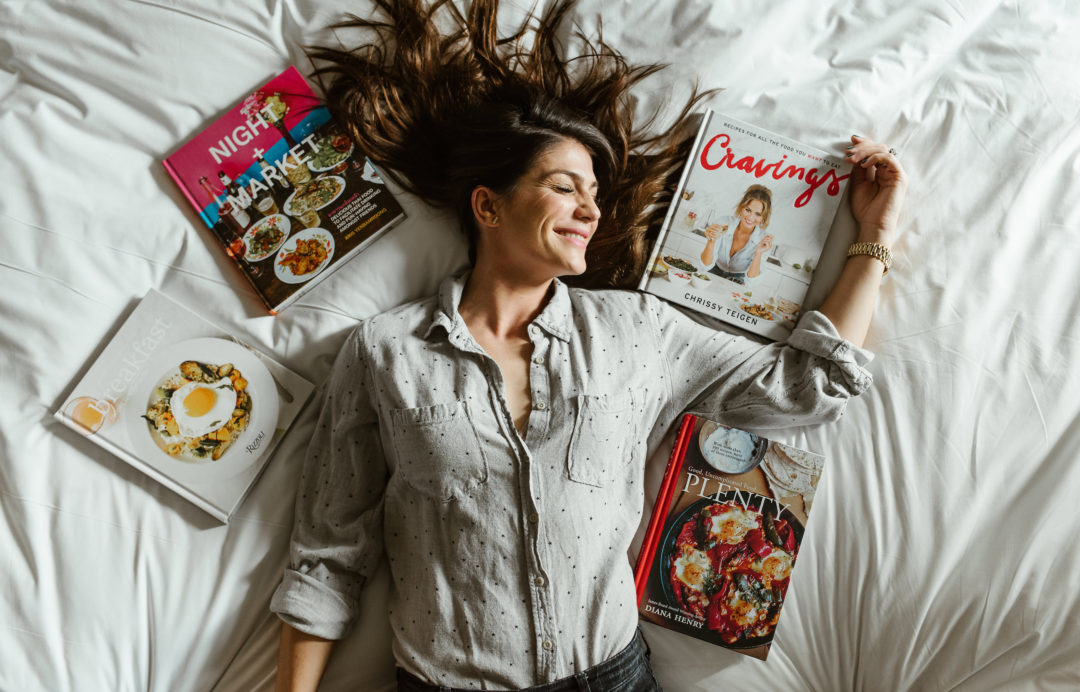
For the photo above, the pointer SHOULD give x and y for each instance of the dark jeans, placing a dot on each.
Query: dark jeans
(737, 277)
(626, 671)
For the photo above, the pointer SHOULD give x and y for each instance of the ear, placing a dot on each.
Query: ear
(485, 205)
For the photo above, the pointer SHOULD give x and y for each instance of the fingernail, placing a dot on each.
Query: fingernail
(864, 160)
(857, 136)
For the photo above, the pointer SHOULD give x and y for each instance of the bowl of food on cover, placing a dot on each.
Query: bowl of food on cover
(700, 280)
(331, 152)
(314, 195)
(758, 310)
(265, 236)
(725, 561)
(730, 450)
(682, 264)
(678, 276)
(304, 255)
(659, 269)
(205, 409)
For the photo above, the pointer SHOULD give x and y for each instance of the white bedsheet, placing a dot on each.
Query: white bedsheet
(941, 554)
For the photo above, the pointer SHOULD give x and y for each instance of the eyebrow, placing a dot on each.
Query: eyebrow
(576, 176)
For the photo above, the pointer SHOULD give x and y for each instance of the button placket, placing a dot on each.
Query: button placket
(539, 385)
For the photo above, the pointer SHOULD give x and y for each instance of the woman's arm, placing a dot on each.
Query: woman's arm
(336, 541)
(738, 380)
(878, 186)
(711, 234)
(755, 264)
(707, 253)
(302, 659)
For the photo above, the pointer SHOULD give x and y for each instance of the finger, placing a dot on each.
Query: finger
(860, 151)
(881, 158)
(859, 171)
(886, 168)
(858, 141)
(870, 170)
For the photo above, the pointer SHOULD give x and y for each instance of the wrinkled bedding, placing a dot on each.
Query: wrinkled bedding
(941, 554)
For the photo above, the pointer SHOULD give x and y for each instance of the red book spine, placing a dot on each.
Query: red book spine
(660, 508)
(175, 175)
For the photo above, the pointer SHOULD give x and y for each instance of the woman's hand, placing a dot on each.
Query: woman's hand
(765, 245)
(878, 187)
(713, 231)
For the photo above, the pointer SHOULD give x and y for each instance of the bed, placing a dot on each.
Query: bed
(941, 554)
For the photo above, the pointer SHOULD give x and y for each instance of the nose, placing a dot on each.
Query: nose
(587, 209)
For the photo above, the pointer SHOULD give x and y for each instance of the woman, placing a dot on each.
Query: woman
(736, 255)
(490, 440)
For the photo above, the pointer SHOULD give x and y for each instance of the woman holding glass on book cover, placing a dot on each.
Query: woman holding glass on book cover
(489, 442)
(734, 246)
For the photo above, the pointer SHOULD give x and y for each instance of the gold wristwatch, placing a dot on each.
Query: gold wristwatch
(875, 250)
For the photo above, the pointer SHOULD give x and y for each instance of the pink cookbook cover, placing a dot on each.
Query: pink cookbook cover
(283, 189)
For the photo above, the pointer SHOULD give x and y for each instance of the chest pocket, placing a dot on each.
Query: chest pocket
(438, 451)
(602, 432)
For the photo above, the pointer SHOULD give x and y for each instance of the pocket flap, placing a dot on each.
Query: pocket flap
(437, 450)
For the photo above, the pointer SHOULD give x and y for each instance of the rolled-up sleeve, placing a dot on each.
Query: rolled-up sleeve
(337, 535)
(743, 382)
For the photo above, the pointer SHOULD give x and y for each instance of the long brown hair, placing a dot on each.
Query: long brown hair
(443, 103)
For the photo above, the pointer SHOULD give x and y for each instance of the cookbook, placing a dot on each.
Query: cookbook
(750, 216)
(186, 403)
(724, 535)
(284, 189)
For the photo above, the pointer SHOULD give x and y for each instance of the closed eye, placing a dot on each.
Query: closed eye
(563, 187)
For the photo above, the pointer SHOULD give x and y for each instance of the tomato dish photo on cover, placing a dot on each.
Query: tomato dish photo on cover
(729, 564)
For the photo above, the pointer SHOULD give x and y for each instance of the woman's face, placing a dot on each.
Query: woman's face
(547, 220)
(751, 213)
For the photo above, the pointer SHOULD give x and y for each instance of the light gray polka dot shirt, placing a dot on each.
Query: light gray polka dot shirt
(508, 554)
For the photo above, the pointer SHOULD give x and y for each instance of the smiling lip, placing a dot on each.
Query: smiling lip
(574, 235)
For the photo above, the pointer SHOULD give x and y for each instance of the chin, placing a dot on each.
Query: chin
(576, 268)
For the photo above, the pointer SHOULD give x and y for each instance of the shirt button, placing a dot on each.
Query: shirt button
(539, 581)
(548, 646)
(539, 360)
(541, 405)
(534, 517)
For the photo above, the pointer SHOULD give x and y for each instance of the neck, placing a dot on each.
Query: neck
(501, 305)
(743, 228)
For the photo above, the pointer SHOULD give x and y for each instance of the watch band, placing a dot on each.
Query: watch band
(875, 250)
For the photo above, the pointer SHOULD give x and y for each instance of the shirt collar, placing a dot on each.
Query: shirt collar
(555, 318)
